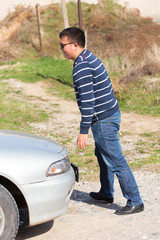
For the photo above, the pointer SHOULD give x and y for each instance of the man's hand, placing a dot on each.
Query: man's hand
(82, 141)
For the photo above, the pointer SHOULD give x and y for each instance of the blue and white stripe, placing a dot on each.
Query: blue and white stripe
(93, 89)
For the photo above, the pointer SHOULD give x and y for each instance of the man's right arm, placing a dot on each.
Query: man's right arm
(83, 83)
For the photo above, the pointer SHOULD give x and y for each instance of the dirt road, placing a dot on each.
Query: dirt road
(89, 220)
(86, 219)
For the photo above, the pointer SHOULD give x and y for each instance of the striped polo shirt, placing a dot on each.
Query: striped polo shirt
(93, 89)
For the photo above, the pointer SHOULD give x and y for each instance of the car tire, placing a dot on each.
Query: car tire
(9, 215)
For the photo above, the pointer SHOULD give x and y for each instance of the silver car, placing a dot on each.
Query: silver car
(36, 181)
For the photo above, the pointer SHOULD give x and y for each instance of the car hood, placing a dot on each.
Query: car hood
(25, 158)
(22, 141)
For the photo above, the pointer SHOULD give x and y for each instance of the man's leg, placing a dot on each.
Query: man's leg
(106, 179)
(106, 176)
(106, 137)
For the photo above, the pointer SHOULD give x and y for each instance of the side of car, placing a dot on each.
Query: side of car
(36, 181)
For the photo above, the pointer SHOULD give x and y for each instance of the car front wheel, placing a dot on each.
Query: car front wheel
(9, 215)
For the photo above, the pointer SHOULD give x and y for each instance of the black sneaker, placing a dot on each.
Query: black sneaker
(100, 196)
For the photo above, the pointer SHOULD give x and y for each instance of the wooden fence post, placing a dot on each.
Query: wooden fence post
(39, 30)
(79, 14)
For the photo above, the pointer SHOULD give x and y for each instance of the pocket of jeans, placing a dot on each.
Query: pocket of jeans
(110, 130)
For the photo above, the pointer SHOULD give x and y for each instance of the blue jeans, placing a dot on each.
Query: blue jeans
(111, 160)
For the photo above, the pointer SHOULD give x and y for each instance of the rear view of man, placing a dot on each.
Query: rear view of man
(100, 111)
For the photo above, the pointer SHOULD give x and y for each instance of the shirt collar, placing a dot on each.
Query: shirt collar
(79, 58)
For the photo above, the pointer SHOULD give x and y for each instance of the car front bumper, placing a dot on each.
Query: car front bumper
(49, 199)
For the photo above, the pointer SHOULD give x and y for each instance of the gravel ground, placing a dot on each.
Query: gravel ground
(87, 219)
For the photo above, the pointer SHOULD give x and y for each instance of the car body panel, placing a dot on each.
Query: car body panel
(27, 153)
(49, 199)
(18, 140)
(29, 162)
(25, 160)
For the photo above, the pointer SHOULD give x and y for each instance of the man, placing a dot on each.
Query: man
(100, 111)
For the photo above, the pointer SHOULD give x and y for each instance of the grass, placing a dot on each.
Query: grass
(140, 99)
(87, 162)
(29, 70)
(154, 158)
(148, 148)
(58, 72)
(62, 90)
(17, 115)
(110, 37)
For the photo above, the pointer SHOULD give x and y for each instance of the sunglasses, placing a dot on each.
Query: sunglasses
(62, 45)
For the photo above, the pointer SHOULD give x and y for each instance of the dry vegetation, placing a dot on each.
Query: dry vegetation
(8, 29)
(128, 43)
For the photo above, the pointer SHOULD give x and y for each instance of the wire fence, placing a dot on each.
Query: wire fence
(133, 41)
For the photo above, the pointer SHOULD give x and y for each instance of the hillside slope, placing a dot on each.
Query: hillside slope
(128, 44)
(110, 29)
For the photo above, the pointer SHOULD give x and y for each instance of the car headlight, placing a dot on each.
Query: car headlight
(59, 167)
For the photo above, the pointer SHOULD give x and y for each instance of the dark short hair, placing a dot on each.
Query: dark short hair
(74, 34)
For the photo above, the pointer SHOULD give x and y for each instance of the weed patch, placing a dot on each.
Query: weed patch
(17, 115)
(138, 98)
(43, 68)
(150, 147)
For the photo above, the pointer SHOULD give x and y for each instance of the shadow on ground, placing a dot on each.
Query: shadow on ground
(81, 196)
(27, 233)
